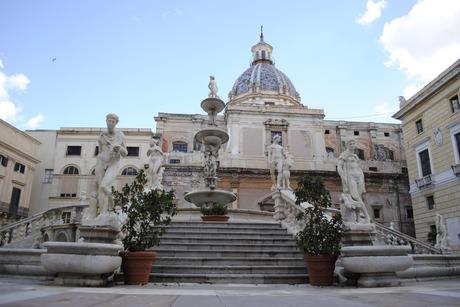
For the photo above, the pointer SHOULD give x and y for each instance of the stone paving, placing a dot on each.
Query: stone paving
(26, 292)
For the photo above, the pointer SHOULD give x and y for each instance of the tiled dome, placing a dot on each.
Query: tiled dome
(263, 76)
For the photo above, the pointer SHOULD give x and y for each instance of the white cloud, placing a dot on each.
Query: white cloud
(424, 42)
(33, 122)
(373, 12)
(385, 111)
(9, 110)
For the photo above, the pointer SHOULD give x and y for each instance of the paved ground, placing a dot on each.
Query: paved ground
(22, 292)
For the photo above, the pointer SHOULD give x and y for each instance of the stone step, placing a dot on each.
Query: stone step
(232, 230)
(182, 252)
(228, 240)
(284, 247)
(264, 225)
(250, 235)
(300, 278)
(229, 269)
(198, 261)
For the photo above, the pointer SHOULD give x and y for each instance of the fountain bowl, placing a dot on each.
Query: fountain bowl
(213, 105)
(215, 137)
(202, 197)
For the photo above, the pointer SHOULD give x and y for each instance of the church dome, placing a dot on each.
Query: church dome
(263, 76)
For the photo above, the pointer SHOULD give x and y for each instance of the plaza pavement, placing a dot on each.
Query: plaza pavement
(29, 292)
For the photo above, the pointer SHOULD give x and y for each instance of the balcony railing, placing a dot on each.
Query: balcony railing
(423, 182)
(456, 169)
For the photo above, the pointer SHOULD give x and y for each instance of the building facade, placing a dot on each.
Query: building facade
(431, 127)
(18, 161)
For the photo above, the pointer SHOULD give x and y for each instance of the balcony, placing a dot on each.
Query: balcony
(425, 181)
(456, 169)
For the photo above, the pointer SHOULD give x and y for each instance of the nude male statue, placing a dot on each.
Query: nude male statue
(275, 161)
(353, 185)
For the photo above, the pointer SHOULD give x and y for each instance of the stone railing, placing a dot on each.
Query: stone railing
(286, 211)
(389, 236)
(28, 232)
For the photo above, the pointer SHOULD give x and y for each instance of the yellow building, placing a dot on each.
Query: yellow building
(431, 130)
(18, 161)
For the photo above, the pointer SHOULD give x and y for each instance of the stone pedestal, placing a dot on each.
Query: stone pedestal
(81, 264)
(358, 234)
(99, 234)
(376, 266)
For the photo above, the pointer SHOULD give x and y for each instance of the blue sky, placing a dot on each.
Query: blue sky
(68, 63)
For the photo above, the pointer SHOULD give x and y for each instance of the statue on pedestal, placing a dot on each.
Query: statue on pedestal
(286, 172)
(155, 171)
(352, 205)
(275, 155)
(111, 148)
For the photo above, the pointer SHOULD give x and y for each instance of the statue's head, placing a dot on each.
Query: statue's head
(277, 139)
(112, 120)
(351, 145)
(154, 142)
(211, 77)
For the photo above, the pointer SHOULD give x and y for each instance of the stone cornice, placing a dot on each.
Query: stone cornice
(19, 152)
(31, 138)
(274, 110)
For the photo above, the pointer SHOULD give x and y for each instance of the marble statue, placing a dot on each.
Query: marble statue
(111, 148)
(210, 156)
(352, 205)
(155, 171)
(212, 87)
(402, 101)
(441, 233)
(275, 155)
(286, 172)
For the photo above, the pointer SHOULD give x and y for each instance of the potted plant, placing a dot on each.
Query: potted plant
(320, 238)
(146, 213)
(215, 212)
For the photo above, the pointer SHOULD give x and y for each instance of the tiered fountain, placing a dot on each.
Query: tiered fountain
(211, 138)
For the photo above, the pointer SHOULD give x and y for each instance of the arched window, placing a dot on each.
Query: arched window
(129, 171)
(71, 170)
(330, 152)
(180, 146)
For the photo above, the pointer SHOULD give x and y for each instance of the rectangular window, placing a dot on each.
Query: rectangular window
(19, 168)
(356, 132)
(180, 146)
(424, 156)
(409, 213)
(269, 103)
(454, 104)
(360, 153)
(133, 151)
(391, 155)
(66, 217)
(96, 150)
(457, 142)
(174, 161)
(373, 168)
(3, 160)
(326, 131)
(376, 213)
(14, 202)
(68, 195)
(280, 133)
(48, 176)
(419, 126)
(404, 170)
(387, 134)
(73, 151)
(430, 202)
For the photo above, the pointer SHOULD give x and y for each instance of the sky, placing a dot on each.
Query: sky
(68, 63)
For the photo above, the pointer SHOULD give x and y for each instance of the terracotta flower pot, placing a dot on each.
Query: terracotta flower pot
(320, 269)
(137, 266)
(215, 218)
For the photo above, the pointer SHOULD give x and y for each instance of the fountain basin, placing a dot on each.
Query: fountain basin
(202, 197)
(215, 137)
(214, 105)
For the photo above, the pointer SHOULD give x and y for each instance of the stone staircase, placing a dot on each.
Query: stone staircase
(233, 252)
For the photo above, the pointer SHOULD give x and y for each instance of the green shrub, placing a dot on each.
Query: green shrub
(321, 234)
(147, 213)
(214, 209)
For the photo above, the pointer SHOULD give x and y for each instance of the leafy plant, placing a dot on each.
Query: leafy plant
(147, 212)
(322, 234)
(214, 209)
